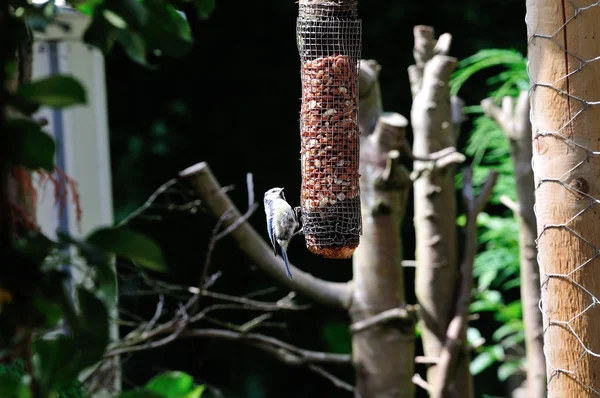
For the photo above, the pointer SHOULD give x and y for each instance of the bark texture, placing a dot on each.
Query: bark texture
(437, 272)
(383, 350)
(514, 122)
(566, 176)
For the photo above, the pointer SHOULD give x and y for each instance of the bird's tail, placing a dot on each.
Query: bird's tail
(287, 264)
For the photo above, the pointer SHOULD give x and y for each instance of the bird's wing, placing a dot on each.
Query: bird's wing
(271, 234)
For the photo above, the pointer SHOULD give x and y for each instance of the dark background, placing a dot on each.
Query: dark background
(234, 102)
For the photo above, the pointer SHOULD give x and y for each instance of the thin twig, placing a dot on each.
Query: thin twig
(287, 353)
(426, 360)
(418, 381)
(510, 204)
(336, 381)
(401, 313)
(455, 332)
(148, 202)
(157, 313)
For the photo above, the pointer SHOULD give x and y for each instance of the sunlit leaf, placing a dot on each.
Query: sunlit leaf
(507, 329)
(171, 384)
(86, 6)
(481, 362)
(507, 369)
(56, 91)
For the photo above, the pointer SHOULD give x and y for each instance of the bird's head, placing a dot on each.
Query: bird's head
(275, 193)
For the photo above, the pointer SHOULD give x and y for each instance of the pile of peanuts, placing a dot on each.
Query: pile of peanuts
(329, 133)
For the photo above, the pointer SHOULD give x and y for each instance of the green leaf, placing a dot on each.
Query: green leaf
(31, 147)
(106, 280)
(508, 329)
(13, 387)
(86, 6)
(204, 8)
(21, 104)
(132, 13)
(135, 47)
(481, 362)
(51, 363)
(486, 279)
(140, 393)
(51, 311)
(166, 30)
(508, 369)
(129, 244)
(171, 384)
(92, 328)
(57, 91)
(100, 33)
(474, 337)
(35, 247)
(114, 19)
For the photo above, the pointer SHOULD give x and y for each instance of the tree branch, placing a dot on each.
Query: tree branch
(371, 107)
(203, 182)
(287, 353)
(456, 329)
(514, 122)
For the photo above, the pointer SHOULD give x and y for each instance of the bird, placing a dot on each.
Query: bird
(282, 222)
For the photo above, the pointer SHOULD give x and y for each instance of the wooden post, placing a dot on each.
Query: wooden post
(566, 131)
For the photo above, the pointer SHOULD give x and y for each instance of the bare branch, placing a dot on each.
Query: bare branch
(456, 328)
(426, 360)
(510, 204)
(284, 352)
(418, 380)
(333, 379)
(283, 304)
(406, 313)
(201, 179)
(149, 202)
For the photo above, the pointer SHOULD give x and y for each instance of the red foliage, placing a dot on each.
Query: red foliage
(62, 183)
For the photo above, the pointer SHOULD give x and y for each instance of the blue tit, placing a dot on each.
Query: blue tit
(282, 222)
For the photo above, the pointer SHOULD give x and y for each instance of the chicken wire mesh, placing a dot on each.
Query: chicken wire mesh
(564, 69)
(329, 43)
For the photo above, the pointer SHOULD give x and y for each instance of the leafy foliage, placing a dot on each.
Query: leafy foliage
(56, 91)
(68, 332)
(168, 385)
(496, 268)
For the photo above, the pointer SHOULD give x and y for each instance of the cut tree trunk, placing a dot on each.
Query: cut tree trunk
(382, 349)
(514, 122)
(437, 271)
(567, 172)
(383, 327)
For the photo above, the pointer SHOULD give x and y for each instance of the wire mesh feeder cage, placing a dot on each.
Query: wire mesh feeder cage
(328, 35)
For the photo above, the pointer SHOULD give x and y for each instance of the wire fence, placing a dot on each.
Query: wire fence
(564, 68)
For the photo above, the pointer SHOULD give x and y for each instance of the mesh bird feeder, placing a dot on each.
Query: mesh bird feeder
(328, 35)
